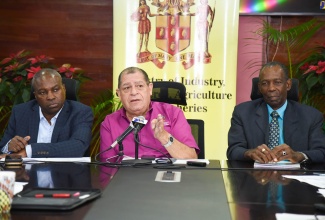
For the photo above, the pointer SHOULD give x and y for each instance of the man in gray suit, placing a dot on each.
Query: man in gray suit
(50, 125)
(301, 138)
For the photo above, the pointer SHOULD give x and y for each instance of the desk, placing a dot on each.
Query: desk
(134, 194)
(249, 190)
(233, 190)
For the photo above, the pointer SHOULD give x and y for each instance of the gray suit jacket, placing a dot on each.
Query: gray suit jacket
(71, 135)
(302, 126)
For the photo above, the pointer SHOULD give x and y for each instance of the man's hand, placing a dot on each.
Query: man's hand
(264, 176)
(262, 154)
(157, 126)
(22, 153)
(18, 143)
(284, 152)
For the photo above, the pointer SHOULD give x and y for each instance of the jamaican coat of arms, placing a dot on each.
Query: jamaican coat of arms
(173, 31)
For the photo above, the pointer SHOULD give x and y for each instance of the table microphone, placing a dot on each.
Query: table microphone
(138, 123)
(123, 136)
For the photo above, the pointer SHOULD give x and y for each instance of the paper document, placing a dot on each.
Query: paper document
(321, 191)
(288, 216)
(178, 161)
(19, 186)
(315, 180)
(279, 165)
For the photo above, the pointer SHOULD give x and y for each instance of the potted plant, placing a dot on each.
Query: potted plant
(292, 39)
(311, 73)
(102, 105)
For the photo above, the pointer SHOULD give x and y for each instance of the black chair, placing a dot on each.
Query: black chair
(292, 94)
(197, 126)
(71, 86)
(175, 93)
(169, 92)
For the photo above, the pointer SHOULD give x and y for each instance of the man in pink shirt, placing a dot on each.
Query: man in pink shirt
(166, 133)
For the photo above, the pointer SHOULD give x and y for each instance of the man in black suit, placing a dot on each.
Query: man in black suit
(300, 138)
(50, 125)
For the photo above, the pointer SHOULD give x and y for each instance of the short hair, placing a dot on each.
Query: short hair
(131, 70)
(46, 71)
(276, 63)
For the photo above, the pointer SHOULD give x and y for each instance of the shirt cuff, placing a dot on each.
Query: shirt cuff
(5, 148)
(305, 157)
(28, 149)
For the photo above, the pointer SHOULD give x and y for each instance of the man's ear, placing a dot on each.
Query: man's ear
(289, 84)
(151, 88)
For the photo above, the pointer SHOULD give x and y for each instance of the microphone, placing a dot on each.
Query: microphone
(138, 123)
(123, 136)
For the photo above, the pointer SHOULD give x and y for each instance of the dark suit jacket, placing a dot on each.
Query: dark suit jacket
(302, 126)
(71, 135)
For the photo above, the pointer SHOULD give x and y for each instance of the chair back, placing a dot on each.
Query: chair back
(197, 126)
(71, 87)
(169, 92)
(293, 93)
(175, 93)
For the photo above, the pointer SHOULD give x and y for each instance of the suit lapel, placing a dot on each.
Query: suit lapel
(290, 121)
(61, 121)
(34, 123)
(262, 120)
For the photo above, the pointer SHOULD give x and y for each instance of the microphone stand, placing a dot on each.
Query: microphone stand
(119, 156)
(136, 160)
(120, 148)
(136, 140)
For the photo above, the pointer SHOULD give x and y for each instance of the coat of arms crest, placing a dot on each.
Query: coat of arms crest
(173, 31)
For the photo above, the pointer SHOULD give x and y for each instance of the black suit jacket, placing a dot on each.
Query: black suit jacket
(71, 135)
(302, 126)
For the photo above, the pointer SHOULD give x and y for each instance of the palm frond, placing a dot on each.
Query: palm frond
(292, 39)
(102, 105)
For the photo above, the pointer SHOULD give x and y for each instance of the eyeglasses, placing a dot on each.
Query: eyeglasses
(164, 160)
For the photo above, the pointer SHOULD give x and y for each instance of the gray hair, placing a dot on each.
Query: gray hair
(45, 71)
(131, 70)
(276, 63)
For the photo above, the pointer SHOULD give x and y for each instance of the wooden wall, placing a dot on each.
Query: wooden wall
(79, 32)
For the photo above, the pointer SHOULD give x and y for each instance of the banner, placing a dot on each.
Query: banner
(189, 41)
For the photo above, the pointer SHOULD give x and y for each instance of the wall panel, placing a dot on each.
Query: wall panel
(71, 31)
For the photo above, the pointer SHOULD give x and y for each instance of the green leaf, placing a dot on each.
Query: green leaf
(322, 79)
(311, 80)
(26, 94)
